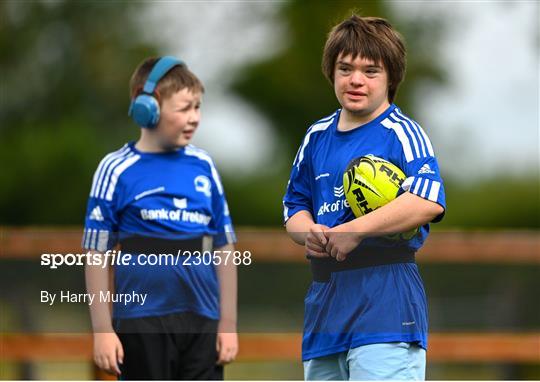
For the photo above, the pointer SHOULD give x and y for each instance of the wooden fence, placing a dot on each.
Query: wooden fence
(274, 246)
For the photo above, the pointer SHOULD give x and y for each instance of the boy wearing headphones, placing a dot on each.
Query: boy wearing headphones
(174, 316)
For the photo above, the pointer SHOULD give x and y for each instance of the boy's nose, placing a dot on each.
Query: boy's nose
(194, 116)
(357, 78)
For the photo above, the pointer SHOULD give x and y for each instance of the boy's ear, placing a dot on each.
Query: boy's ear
(157, 96)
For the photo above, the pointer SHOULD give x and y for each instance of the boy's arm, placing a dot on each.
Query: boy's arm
(227, 341)
(303, 230)
(298, 226)
(108, 350)
(404, 213)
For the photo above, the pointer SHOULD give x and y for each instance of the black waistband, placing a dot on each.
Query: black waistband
(361, 257)
(147, 245)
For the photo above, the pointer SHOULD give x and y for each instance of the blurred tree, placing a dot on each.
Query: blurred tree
(65, 68)
(290, 88)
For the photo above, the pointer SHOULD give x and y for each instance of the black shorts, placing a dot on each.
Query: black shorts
(177, 346)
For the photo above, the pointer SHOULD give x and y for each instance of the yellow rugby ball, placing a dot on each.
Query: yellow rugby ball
(371, 182)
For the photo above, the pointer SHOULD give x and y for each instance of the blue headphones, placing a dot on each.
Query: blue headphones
(144, 108)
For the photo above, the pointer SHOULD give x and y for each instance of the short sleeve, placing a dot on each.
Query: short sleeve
(221, 215)
(101, 219)
(298, 194)
(413, 152)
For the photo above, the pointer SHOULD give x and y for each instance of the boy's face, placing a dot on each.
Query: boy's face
(361, 85)
(179, 118)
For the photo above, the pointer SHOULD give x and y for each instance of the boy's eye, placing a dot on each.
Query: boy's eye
(372, 71)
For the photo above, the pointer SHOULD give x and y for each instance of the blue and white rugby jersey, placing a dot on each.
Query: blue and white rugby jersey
(377, 304)
(176, 195)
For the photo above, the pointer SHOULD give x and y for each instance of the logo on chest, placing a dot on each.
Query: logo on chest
(180, 214)
(202, 184)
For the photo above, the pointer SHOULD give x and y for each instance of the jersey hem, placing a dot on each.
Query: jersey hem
(163, 312)
(420, 339)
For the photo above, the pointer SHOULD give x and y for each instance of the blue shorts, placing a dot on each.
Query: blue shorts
(385, 361)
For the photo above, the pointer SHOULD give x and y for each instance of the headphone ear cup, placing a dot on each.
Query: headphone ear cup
(145, 111)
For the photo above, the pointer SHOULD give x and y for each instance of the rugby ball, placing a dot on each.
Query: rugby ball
(371, 182)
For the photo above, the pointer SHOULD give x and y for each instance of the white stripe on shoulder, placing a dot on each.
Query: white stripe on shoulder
(319, 126)
(119, 170)
(398, 129)
(203, 155)
(105, 177)
(420, 131)
(102, 167)
(325, 119)
(409, 130)
(415, 127)
(104, 185)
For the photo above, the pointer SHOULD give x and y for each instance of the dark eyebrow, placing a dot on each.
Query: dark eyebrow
(370, 66)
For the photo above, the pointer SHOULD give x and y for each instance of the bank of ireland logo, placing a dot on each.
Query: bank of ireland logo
(336, 205)
(338, 192)
(202, 184)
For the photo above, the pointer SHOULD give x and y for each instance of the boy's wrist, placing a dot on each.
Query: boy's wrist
(227, 325)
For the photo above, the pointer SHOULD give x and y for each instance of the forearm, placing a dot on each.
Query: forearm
(406, 212)
(97, 280)
(227, 276)
(298, 226)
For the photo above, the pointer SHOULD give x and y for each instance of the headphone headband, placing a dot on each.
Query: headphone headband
(160, 69)
(144, 108)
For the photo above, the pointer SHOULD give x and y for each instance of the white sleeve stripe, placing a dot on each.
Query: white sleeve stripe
(93, 238)
(434, 193)
(116, 173)
(229, 234)
(407, 183)
(415, 127)
(102, 187)
(103, 240)
(418, 182)
(317, 127)
(424, 190)
(86, 238)
(102, 169)
(407, 150)
(411, 133)
(193, 151)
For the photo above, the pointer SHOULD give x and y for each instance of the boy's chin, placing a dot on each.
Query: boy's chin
(174, 146)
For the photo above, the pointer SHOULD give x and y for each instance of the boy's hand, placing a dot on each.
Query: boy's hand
(316, 241)
(342, 239)
(108, 352)
(227, 347)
